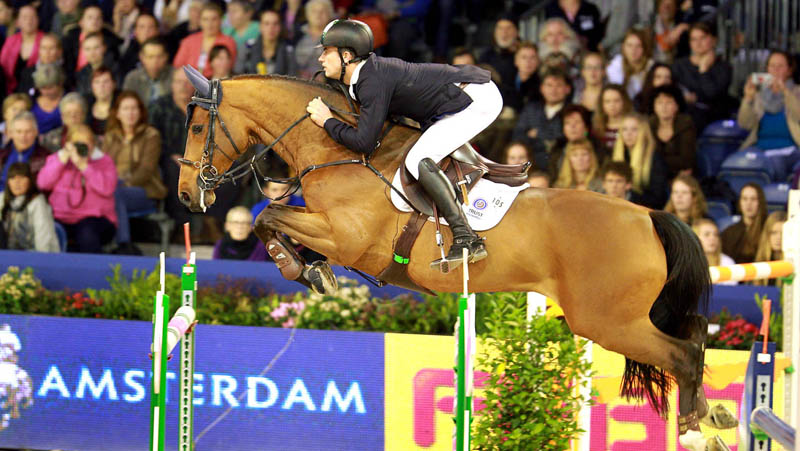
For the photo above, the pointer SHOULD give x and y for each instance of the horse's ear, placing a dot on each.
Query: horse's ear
(196, 78)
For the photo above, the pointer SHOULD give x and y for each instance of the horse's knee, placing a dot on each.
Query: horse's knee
(264, 226)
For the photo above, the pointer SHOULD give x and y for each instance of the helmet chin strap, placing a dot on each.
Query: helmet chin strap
(344, 65)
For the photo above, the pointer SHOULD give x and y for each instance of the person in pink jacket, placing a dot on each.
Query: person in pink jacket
(196, 48)
(81, 180)
(21, 50)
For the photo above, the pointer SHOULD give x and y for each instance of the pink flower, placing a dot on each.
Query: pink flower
(288, 323)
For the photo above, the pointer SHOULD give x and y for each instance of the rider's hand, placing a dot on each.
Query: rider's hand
(319, 111)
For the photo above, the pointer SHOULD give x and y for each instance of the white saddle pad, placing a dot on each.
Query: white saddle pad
(488, 202)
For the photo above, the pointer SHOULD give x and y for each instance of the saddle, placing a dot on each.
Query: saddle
(464, 167)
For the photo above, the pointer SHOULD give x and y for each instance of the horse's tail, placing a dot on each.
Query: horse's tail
(686, 289)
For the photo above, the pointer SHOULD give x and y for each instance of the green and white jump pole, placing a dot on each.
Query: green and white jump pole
(165, 337)
(465, 359)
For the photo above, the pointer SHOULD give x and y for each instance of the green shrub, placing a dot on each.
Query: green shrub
(531, 402)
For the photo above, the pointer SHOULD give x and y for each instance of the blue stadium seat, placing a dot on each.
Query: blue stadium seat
(747, 165)
(777, 195)
(718, 140)
(61, 234)
(727, 221)
(718, 209)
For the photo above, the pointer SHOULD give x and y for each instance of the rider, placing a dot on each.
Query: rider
(427, 93)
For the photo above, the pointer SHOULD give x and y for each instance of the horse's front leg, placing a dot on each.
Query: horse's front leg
(311, 230)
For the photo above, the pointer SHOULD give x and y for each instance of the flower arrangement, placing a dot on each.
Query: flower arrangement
(734, 332)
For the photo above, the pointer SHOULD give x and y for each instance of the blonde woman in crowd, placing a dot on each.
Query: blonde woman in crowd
(770, 246)
(686, 200)
(708, 234)
(635, 145)
(580, 170)
(630, 67)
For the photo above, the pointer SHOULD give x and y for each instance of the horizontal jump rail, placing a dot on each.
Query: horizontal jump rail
(751, 271)
(766, 420)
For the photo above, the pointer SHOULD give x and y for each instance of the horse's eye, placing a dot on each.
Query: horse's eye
(197, 129)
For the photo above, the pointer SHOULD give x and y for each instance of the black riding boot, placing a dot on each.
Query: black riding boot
(441, 191)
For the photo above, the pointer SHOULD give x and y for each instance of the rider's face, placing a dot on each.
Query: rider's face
(330, 62)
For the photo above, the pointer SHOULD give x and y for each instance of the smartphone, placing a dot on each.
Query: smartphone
(761, 79)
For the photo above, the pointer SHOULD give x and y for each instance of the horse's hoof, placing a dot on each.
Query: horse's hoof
(720, 418)
(716, 444)
(321, 278)
(693, 441)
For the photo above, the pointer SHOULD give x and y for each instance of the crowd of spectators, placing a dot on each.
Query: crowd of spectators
(610, 96)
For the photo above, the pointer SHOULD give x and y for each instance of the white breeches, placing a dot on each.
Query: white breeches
(451, 132)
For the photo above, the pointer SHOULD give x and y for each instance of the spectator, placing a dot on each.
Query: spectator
(526, 81)
(146, 28)
(740, 240)
(406, 27)
(620, 16)
(242, 27)
(173, 12)
(168, 116)
(13, 105)
(239, 242)
(154, 78)
(124, 21)
(708, 234)
(6, 20)
(674, 132)
(135, 148)
(557, 37)
(96, 52)
(103, 87)
(23, 147)
(516, 152)
(177, 33)
(630, 67)
(195, 48)
(590, 83)
(274, 193)
(667, 31)
(91, 22)
(21, 49)
(612, 107)
(49, 53)
(319, 13)
(538, 179)
(501, 54)
(68, 13)
(269, 53)
(770, 245)
(73, 112)
(582, 16)
(81, 181)
(221, 62)
(658, 75)
(618, 181)
(635, 146)
(464, 55)
(539, 123)
(293, 16)
(704, 77)
(771, 111)
(580, 169)
(686, 199)
(49, 80)
(576, 124)
(25, 216)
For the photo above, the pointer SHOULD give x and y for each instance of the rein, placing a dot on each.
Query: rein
(209, 178)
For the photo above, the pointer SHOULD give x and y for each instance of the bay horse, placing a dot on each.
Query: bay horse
(626, 277)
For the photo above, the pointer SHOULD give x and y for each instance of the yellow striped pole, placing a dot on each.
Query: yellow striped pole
(751, 271)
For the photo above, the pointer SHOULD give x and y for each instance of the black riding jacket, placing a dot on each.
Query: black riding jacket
(390, 86)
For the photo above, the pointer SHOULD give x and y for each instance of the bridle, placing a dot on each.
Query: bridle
(209, 178)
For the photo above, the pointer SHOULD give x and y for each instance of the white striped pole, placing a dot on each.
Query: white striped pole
(751, 271)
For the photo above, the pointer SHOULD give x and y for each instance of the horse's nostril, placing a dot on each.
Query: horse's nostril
(185, 198)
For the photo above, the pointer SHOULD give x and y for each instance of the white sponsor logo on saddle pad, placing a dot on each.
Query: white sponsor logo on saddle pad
(488, 202)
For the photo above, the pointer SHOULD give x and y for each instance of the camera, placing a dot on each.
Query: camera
(82, 148)
(760, 79)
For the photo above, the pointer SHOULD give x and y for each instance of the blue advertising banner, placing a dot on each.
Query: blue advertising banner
(84, 384)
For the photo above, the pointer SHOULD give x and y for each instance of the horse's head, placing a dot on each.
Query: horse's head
(214, 141)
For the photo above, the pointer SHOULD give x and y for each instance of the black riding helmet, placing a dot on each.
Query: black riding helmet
(349, 34)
